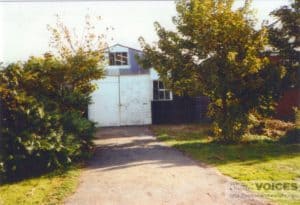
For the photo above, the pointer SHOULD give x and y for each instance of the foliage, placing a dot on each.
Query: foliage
(273, 128)
(259, 158)
(43, 105)
(39, 130)
(216, 52)
(284, 35)
(73, 122)
(67, 43)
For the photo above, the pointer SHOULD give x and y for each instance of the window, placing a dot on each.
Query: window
(118, 58)
(160, 92)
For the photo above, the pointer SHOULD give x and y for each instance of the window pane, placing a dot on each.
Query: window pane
(161, 95)
(161, 85)
(124, 58)
(168, 95)
(111, 59)
(155, 85)
(155, 90)
(118, 58)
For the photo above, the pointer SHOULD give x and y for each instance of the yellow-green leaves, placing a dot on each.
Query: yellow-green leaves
(231, 56)
(69, 42)
(231, 69)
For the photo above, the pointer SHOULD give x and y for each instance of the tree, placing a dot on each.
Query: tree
(43, 101)
(216, 52)
(284, 35)
(82, 60)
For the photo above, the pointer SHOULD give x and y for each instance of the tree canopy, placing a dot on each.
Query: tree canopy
(215, 51)
(284, 35)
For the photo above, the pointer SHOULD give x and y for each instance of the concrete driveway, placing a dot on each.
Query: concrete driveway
(131, 167)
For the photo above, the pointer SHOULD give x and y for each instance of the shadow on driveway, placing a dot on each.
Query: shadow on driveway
(131, 167)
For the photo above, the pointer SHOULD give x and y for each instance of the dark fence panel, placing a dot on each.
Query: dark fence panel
(180, 110)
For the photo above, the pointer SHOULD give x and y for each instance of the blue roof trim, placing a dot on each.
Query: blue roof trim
(117, 44)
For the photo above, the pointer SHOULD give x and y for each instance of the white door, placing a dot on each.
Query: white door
(104, 109)
(122, 100)
(135, 98)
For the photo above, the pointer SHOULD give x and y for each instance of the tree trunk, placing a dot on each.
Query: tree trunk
(224, 110)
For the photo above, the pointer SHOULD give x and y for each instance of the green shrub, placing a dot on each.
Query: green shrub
(43, 103)
(273, 128)
(29, 135)
(42, 116)
(83, 130)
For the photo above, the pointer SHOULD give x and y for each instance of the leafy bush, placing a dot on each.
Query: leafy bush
(43, 104)
(83, 129)
(42, 115)
(269, 127)
(274, 129)
(27, 132)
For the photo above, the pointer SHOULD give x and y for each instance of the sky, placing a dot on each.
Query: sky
(23, 25)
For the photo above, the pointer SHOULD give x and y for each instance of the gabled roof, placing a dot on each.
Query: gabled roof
(117, 44)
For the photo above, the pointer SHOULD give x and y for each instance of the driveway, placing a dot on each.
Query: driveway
(131, 167)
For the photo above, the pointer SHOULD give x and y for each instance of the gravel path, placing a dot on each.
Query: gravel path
(131, 167)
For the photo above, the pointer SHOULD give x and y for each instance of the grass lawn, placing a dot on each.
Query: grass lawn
(48, 189)
(249, 161)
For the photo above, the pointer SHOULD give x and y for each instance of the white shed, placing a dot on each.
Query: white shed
(124, 96)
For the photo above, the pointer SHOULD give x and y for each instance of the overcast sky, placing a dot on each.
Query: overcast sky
(23, 29)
